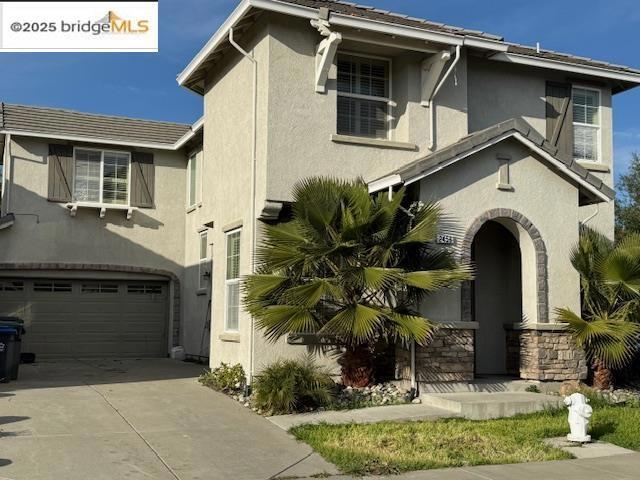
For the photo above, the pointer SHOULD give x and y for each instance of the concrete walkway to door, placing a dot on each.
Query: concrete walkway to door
(137, 419)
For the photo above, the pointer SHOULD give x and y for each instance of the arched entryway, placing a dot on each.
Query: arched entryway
(496, 293)
(510, 285)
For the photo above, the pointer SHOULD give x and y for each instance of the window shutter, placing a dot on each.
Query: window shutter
(560, 117)
(60, 162)
(142, 180)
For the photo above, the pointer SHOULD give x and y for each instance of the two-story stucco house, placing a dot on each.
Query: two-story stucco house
(116, 232)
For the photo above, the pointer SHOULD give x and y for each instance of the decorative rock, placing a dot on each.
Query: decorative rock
(416, 400)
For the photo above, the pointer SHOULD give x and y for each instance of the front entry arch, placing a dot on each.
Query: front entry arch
(516, 237)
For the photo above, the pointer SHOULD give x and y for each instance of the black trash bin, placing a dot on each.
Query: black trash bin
(8, 339)
(15, 348)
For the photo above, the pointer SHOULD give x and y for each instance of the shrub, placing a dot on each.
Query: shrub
(225, 378)
(288, 386)
(532, 389)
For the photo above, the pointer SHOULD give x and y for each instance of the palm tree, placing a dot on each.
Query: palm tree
(352, 268)
(607, 328)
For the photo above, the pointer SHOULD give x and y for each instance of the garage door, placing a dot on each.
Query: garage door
(77, 318)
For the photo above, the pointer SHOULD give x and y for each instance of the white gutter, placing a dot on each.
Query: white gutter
(254, 158)
(6, 175)
(190, 134)
(430, 103)
(592, 216)
(566, 67)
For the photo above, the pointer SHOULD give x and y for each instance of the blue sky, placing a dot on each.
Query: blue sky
(143, 85)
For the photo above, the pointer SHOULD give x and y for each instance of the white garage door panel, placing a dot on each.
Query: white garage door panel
(90, 318)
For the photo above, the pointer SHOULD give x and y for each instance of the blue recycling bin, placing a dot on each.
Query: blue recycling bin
(10, 346)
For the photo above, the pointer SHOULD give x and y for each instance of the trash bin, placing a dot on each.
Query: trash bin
(8, 339)
(15, 347)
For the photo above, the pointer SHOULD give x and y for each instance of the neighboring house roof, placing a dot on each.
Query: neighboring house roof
(79, 126)
(351, 15)
(515, 128)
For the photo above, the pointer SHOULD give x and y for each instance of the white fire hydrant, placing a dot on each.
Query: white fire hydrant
(579, 414)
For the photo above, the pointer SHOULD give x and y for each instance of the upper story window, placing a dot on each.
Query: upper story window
(232, 282)
(364, 88)
(203, 270)
(586, 124)
(194, 172)
(101, 176)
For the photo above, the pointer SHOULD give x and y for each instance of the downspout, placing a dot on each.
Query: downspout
(254, 156)
(6, 175)
(592, 216)
(431, 105)
(412, 348)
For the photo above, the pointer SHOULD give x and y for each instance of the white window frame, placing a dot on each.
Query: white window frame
(202, 261)
(231, 281)
(101, 202)
(193, 158)
(588, 125)
(388, 100)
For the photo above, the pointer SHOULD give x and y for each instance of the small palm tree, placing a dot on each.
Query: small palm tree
(351, 267)
(607, 328)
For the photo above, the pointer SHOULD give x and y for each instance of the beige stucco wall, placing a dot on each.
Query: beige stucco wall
(500, 91)
(153, 238)
(467, 189)
(302, 121)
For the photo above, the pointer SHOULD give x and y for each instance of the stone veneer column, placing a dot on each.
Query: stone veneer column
(449, 357)
(544, 352)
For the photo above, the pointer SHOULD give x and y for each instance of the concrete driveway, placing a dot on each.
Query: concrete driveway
(137, 419)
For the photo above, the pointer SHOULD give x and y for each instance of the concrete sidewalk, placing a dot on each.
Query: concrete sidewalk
(618, 467)
(137, 419)
(389, 413)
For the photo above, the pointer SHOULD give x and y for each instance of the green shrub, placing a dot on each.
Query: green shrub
(288, 386)
(532, 389)
(225, 378)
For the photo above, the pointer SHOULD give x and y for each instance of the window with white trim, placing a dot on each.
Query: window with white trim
(586, 124)
(101, 176)
(203, 264)
(364, 88)
(192, 188)
(232, 281)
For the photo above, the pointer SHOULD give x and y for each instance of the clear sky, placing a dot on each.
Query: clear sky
(144, 85)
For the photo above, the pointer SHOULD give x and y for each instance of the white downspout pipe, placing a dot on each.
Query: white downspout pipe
(413, 344)
(431, 105)
(6, 175)
(254, 150)
(592, 216)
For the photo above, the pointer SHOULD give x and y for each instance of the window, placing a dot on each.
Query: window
(586, 124)
(101, 176)
(232, 282)
(192, 193)
(144, 289)
(99, 288)
(363, 96)
(203, 264)
(56, 287)
(11, 286)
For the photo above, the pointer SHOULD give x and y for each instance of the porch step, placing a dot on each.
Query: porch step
(486, 405)
(488, 385)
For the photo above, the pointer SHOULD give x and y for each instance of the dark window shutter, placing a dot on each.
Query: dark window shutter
(142, 180)
(560, 117)
(60, 162)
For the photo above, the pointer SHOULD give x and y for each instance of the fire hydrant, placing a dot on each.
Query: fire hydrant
(579, 414)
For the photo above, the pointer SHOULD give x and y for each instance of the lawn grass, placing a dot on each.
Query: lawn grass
(393, 447)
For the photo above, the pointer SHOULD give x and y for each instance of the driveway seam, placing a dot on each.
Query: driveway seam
(139, 434)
